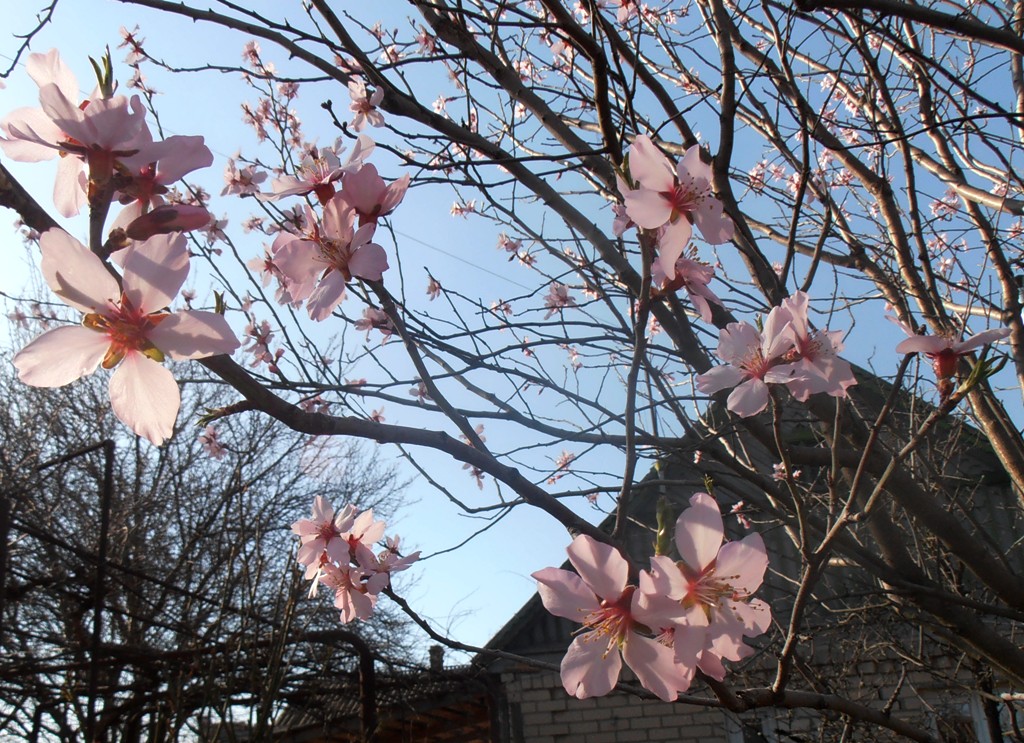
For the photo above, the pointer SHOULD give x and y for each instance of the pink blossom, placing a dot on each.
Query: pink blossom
(365, 107)
(674, 198)
(143, 179)
(319, 170)
(95, 133)
(433, 289)
(390, 559)
(609, 610)
(318, 265)
(211, 444)
(370, 196)
(124, 327)
(713, 583)
(945, 353)
(694, 276)
(754, 360)
(324, 536)
(558, 298)
(463, 208)
(241, 182)
(374, 318)
(819, 368)
(352, 594)
(362, 535)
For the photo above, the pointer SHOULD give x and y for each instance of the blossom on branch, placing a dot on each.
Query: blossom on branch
(337, 551)
(674, 198)
(95, 133)
(754, 360)
(319, 170)
(693, 276)
(318, 265)
(365, 106)
(945, 353)
(713, 583)
(125, 326)
(557, 299)
(612, 618)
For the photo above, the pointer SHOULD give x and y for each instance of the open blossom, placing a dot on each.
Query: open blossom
(558, 298)
(374, 318)
(92, 134)
(211, 444)
(319, 170)
(325, 533)
(694, 277)
(318, 265)
(124, 326)
(820, 370)
(754, 360)
(612, 617)
(674, 198)
(241, 182)
(945, 353)
(144, 178)
(365, 106)
(713, 583)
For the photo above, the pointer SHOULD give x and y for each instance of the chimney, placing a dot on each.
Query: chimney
(436, 658)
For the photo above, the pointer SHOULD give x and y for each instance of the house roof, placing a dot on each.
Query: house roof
(451, 704)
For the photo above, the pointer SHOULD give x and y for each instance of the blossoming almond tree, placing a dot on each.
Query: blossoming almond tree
(825, 157)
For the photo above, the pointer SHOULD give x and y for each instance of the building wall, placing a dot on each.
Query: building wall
(540, 711)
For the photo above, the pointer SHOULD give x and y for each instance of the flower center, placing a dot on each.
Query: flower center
(128, 330)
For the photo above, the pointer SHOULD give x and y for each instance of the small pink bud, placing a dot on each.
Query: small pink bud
(168, 218)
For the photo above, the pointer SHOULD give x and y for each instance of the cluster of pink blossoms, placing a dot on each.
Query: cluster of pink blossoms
(104, 145)
(668, 201)
(786, 351)
(314, 264)
(685, 615)
(107, 153)
(337, 550)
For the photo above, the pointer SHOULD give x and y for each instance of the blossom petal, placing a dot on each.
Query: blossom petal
(699, 532)
(61, 356)
(673, 242)
(590, 668)
(369, 262)
(327, 295)
(720, 378)
(981, 339)
(714, 225)
(600, 565)
(924, 344)
(750, 398)
(655, 667)
(649, 166)
(154, 271)
(69, 187)
(49, 68)
(145, 397)
(75, 274)
(665, 580)
(646, 208)
(742, 564)
(564, 594)
(194, 334)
